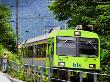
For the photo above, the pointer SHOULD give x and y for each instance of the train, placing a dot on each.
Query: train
(64, 49)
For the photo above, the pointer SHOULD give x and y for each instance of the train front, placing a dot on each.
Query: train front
(77, 50)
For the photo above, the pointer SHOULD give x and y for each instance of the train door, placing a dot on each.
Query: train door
(50, 51)
(49, 55)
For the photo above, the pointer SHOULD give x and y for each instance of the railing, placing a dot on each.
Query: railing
(33, 73)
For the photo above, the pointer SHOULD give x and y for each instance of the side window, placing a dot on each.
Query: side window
(30, 51)
(44, 50)
(41, 50)
(37, 51)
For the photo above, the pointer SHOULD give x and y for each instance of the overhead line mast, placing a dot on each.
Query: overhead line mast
(17, 26)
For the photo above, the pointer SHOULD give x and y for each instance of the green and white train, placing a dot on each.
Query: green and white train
(64, 49)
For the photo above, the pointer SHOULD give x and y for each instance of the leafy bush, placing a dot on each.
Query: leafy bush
(104, 54)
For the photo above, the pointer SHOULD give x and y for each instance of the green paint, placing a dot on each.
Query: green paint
(77, 62)
(81, 62)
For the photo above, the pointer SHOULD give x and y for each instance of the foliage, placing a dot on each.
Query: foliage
(7, 36)
(13, 57)
(83, 12)
(103, 19)
(74, 11)
(86, 12)
(105, 48)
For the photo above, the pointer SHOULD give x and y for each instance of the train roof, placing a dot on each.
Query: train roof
(46, 36)
(42, 37)
(35, 39)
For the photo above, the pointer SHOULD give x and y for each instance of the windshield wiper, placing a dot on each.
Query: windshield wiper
(92, 45)
(62, 43)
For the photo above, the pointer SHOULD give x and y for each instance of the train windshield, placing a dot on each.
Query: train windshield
(88, 46)
(66, 46)
(77, 46)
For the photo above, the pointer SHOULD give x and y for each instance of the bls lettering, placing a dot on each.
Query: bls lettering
(76, 65)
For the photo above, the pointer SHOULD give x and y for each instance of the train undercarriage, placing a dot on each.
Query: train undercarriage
(62, 75)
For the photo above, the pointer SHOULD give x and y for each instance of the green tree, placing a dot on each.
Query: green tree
(84, 12)
(74, 11)
(7, 36)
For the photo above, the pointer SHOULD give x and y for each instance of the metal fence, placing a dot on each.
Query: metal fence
(33, 73)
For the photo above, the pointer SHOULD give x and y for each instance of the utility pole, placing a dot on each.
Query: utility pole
(17, 26)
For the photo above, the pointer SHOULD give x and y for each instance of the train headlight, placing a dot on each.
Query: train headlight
(92, 65)
(77, 33)
(62, 64)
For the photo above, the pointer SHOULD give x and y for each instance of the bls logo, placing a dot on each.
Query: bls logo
(76, 65)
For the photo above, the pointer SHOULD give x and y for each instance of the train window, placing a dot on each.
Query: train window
(36, 47)
(66, 46)
(88, 46)
(93, 40)
(44, 50)
(77, 46)
(41, 50)
(30, 51)
(66, 38)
